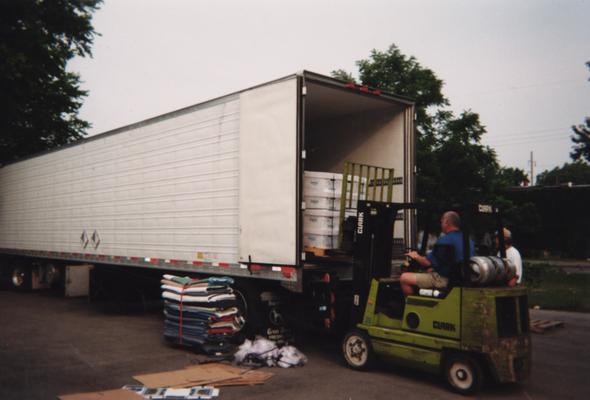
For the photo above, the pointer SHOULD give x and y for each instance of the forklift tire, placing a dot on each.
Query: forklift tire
(357, 350)
(463, 373)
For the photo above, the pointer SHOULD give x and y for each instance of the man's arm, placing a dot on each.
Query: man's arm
(423, 261)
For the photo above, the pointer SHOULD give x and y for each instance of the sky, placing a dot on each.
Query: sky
(519, 64)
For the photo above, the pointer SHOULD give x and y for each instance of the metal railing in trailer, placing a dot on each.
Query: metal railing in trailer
(364, 182)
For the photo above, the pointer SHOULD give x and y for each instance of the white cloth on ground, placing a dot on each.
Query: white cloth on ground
(266, 351)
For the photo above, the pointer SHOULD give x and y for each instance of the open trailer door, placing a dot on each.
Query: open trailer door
(268, 173)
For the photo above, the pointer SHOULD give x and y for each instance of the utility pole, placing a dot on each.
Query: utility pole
(532, 162)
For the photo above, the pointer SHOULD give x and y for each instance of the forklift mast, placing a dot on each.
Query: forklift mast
(372, 250)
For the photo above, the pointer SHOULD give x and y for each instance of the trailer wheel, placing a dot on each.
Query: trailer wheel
(463, 374)
(20, 277)
(357, 350)
(53, 275)
(250, 308)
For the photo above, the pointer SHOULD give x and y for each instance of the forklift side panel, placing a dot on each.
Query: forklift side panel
(424, 359)
(410, 338)
(434, 316)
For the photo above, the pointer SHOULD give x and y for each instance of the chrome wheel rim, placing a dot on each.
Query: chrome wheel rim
(18, 277)
(461, 375)
(356, 351)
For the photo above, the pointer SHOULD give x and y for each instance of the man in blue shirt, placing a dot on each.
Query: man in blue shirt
(437, 270)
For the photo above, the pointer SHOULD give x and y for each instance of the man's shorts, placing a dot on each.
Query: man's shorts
(431, 280)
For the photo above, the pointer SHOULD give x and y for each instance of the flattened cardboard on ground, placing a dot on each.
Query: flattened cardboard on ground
(206, 375)
(116, 394)
(246, 376)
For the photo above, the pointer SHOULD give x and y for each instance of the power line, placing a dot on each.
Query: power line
(534, 131)
(529, 141)
(529, 138)
(529, 86)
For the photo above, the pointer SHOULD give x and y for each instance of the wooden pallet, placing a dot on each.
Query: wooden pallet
(321, 252)
(316, 251)
(541, 325)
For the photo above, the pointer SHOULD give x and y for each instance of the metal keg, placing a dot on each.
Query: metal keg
(500, 269)
(483, 271)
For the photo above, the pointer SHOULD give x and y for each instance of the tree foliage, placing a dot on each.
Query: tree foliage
(453, 165)
(39, 98)
(343, 75)
(581, 139)
(508, 176)
(394, 72)
(578, 173)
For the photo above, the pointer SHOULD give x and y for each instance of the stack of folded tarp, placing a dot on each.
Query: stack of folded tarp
(200, 313)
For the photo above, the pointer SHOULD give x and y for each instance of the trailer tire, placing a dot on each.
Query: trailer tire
(463, 373)
(20, 277)
(251, 309)
(54, 275)
(357, 350)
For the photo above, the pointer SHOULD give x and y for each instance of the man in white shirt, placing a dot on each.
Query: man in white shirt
(513, 255)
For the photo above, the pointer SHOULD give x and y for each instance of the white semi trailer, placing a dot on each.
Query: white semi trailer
(211, 189)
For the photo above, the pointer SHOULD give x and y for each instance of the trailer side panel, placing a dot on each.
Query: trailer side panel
(167, 189)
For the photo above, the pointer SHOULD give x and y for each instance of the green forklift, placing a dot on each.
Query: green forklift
(477, 328)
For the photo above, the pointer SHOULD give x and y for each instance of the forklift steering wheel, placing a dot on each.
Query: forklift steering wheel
(414, 266)
(411, 265)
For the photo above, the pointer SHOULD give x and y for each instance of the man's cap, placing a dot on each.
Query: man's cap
(507, 233)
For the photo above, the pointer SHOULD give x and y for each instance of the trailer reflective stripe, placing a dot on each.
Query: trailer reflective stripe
(288, 272)
(267, 271)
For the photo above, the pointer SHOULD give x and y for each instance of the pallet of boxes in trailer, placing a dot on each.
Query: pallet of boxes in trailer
(212, 189)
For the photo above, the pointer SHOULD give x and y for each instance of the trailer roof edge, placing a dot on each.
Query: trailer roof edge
(313, 76)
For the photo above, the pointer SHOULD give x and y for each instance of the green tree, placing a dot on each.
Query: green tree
(453, 165)
(581, 139)
(578, 173)
(394, 72)
(343, 75)
(467, 168)
(508, 176)
(39, 98)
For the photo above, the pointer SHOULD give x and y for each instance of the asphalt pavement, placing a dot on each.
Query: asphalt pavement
(50, 345)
